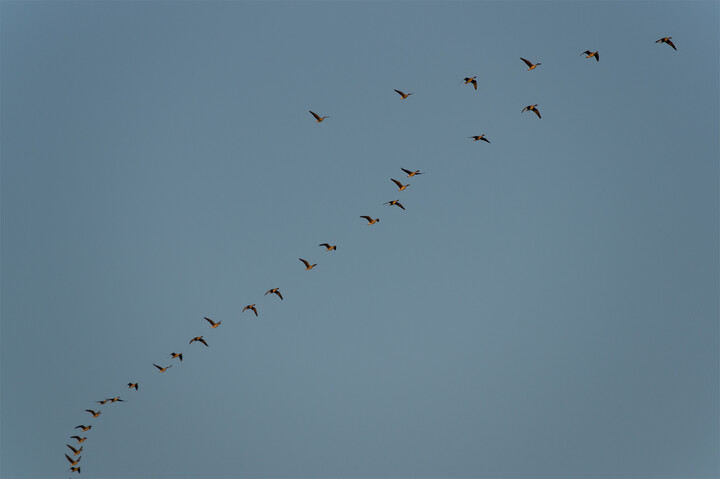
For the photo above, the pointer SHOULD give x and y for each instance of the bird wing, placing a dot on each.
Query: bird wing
(367, 218)
(325, 245)
(669, 42)
(72, 448)
(304, 262)
(203, 341)
(210, 321)
(157, 366)
(317, 117)
(537, 112)
(474, 82)
(397, 182)
(278, 293)
(400, 205)
(406, 171)
(485, 139)
(527, 62)
(400, 93)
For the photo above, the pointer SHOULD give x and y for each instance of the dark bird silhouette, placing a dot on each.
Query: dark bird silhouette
(308, 266)
(399, 185)
(589, 54)
(479, 137)
(75, 469)
(395, 203)
(79, 439)
(162, 370)
(531, 108)
(73, 462)
(198, 339)
(318, 119)
(251, 307)
(115, 399)
(83, 427)
(666, 40)
(274, 291)
(531, 65)
(370, 220)
(94, 413)
(328, 247)
(133, 385)
(410, 174)
(471, 80)
(102, 402)
(176, 355)
(75, 451)
(403, 95)
(213, 324)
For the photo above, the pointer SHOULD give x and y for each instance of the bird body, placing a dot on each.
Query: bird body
(198, 339)
(410, 174)
(251, 307)
(480, 137)
(370, 220)
(318, 119)
(133, 385)
(94, 413)
(75, 469)
(83, 427)
(115, 399)
(589, 54)
(328, 247)
(399, 185)
(531, 108)
(308, 266)
(274, 291)
(79, 439)
(531, 65)
(394, 203)
(176, 355)
(668, 41)
(403, 95)
(471, 80)
(162, 370)
(213, 324)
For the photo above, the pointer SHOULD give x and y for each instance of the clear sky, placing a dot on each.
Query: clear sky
(545, 307)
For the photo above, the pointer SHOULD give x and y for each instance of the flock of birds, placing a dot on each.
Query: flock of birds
(76, 450)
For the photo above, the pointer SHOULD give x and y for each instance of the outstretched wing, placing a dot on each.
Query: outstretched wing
(527, 62)
(317, 117)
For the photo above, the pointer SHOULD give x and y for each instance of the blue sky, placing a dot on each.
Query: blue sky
(546, 306)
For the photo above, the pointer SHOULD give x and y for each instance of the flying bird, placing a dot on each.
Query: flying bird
(531, 108)
(251, 307)
(133, 385)
(394, 202)
(328, 247)
(75, 469)
(531, 65)
(102, 402)
(83, 427)
(199, 339)
(399, 185)
(410, 174)
(307, 265)
(79, 439)
(115, 399)
(317, 117)
(668, 41)
(75, 451)
(403, 95)
(274, 291)
(213, 324)
(73, 462)
(94, 413)
(589, 54)
(162, 370)
(370, 220)
(176, 355)
(471, 80)
(480, 137)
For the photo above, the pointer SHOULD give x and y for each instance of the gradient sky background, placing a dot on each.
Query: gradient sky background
(547, 305)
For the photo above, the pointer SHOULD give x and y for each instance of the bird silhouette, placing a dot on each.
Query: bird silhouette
(531, 65)
(75, 451)
(479, 137)
(471, 80)
(589, 54)
(318, 119)
(213, 324)
(162, 370)
(251, 307)
(133, 385)
(176, 355)
(328, 247)
(79, 439)
(308, 266)
(274, 291)
(531, 108)
(395, 203)
(83, 427)
(666, 40)
(73, 462)
(403, 95)
(410, 174)
(370, 220)
(94, 413)
(399, 185)
(198, 339)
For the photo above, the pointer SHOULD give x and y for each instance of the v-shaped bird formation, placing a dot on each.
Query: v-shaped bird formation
(76, 457)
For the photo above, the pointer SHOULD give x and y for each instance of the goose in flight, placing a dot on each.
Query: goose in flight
(75, 469)
(198, 339)
(115, 399)
(589, 54)
(370, 220)
(531, 108)
(251, 307)
(103, 401)
(94, 413)
(73, 462)
(83, 427)
(328, 247)
(133, 385)
(274, 291)
(410, 174)
(479, 137)
(308, 266)
(399, 185)
(395, 203)
(79, 439)
(162, 370)
(668, 41)
(176, 355)
(318, 119)
(403, 95)
(213, 324)
(531, 65)
(471, 80)
(75, 451)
